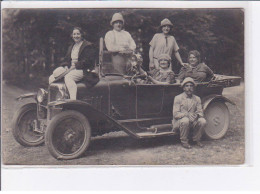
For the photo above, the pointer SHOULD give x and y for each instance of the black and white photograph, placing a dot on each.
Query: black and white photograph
(123, 86)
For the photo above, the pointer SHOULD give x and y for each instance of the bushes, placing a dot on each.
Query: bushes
(35, 40)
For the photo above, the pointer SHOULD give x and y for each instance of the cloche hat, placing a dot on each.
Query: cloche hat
(116, 17)
(166, 22)
(164, 56)
(57, 74)
(188, 80)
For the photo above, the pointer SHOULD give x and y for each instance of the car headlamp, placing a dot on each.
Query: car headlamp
(41, 95)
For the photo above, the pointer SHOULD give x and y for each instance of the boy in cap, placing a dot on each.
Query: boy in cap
(188, 113)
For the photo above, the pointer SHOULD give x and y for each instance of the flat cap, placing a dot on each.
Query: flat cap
(188, 80)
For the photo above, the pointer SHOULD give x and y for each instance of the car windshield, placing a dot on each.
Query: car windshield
(115, 63)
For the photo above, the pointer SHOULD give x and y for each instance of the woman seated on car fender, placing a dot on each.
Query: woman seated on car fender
(163, 75)
(79, 61)
(199, 72)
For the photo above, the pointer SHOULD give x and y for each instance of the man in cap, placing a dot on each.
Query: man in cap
(117, 40)
(188, 114)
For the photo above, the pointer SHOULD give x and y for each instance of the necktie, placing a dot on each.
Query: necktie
(166, 40)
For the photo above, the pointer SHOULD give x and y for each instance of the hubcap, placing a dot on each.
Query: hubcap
(217, 116)
(68, 136)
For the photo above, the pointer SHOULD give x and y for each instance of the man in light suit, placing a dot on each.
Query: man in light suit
(188, 114)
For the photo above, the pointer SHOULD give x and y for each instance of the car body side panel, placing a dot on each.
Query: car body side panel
(97, 96)
(122, 98)
(203, 90)
(91, 113)
(149, 100)
(132, 107)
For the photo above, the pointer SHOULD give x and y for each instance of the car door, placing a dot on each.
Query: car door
(149, 100)
(122, 98)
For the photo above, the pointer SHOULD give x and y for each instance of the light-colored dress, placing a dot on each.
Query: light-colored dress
(162, 44)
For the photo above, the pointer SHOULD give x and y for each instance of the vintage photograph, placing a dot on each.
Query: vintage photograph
(128, 86)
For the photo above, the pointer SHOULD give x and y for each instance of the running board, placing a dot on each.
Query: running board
(152, 134)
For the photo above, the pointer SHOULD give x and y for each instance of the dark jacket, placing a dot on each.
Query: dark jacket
(200, 73)
(86, 58)
(86, 61)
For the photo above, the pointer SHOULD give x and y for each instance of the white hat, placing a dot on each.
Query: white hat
(166, 22)
(187, 80)
(164, 56)
(57, 74)
(116, 17)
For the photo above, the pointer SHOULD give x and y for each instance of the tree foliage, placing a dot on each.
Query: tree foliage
(35, 39)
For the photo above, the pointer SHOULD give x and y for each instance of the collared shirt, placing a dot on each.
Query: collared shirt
(184, 104)
(160, 46)
(75, 53)
(200, 73)
(116, 40)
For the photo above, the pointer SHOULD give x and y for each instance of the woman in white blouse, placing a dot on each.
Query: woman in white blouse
(79, 59)
(120, 43)
(117, 40)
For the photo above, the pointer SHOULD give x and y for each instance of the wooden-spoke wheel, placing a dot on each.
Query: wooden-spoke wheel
(68, 135)
(217, 116)
(24, 126)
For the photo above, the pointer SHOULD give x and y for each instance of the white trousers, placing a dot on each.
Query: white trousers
(70, 80)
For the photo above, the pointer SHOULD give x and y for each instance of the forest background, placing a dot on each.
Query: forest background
(34, 40)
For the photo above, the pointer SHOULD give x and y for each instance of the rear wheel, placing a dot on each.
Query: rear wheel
(68, 135)
(24, 126)
(217, 116)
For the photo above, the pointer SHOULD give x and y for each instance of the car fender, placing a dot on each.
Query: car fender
(28, 95)
(212, 98)
(89, 111)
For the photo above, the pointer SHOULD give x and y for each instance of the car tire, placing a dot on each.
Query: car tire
(22, 126)
(66, 130)
(218, 117)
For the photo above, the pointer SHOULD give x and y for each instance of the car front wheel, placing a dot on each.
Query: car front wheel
(217, 116)
(24, 127)
(68, 135)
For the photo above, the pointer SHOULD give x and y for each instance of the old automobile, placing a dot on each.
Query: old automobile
(116, 102)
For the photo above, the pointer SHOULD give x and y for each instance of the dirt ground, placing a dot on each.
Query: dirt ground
(117, 148)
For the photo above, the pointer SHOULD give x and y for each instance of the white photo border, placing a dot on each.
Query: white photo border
(153, 177)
